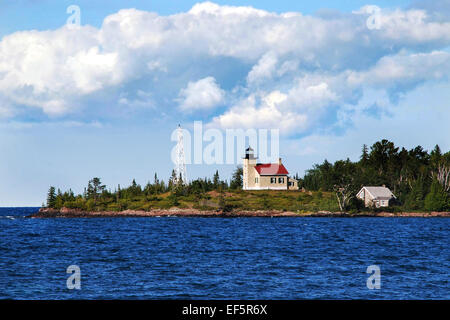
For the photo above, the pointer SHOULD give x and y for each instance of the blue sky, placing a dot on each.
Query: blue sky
(103, 99)
(49, 14)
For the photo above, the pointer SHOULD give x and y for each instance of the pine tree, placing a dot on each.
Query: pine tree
(216, 180)
(135, 189)
(90, 190)
(51, 197)
(365, 155)
(436, 157)
(414, 199)
(236, 180)
(437, 199)
(173, 180)
(95, 188)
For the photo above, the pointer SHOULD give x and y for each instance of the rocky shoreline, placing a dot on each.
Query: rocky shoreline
(176, 212)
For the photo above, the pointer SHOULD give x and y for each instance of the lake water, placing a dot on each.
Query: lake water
(223, 258)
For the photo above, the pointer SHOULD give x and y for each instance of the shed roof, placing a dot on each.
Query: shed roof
(379, 192)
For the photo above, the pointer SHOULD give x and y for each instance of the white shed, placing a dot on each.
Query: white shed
(375, 196)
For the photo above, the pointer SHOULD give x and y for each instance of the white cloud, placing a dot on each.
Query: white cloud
(142, 100)
(19, 125)
(264, 69)
(406, 26)
(269, 114)
(50, 69)
(412, 25)
(311, 92)
(202, 94)
(404, 70)
(417, 110)
(211, 8)
(316, 63)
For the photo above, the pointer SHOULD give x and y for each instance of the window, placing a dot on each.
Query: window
(273, 180)
(256, 180)
(280, 180)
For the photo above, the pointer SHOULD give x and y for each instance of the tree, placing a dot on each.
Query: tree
(365, 155)
(345, 189)
(442, 175)
(382, 155)
(118, 193)
(216, 180)
(173, 180)
(135, 189)
(222, 202)
(94, 189)
(437, 199)
(414, 199)
(51, 197)
(436, 157)
(156, 187)
(344, 194)
(223, 206)
(236, 180)
(173, 199)
(179, 187)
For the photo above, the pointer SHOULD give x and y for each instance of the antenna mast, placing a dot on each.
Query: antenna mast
(180, 164)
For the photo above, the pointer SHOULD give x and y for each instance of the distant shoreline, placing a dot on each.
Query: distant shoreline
(176, 212)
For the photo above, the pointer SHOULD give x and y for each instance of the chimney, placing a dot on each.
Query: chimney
(279, 161)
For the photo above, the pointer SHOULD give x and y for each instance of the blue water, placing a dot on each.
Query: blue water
(223, 258)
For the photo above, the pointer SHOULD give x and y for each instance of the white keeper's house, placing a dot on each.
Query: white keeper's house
(265, 176)
(375, 196)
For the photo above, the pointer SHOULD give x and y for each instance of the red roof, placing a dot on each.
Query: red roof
(271, 169)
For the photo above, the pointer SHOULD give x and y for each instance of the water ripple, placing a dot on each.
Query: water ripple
(197, 258)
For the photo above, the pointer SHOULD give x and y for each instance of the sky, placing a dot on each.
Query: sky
(103, 98)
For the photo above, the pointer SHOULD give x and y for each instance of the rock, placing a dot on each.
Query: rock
(77, 213)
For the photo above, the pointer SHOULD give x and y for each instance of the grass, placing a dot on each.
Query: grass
(296, 201)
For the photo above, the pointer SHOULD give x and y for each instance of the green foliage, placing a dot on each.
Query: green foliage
(265, 203)
(173, 200)
(437, 198)
(408, 173)
(51, 197)
(224, 205)
(216, 180)
(94, 189)
(58, 203)
(415, 198)
(236, 180)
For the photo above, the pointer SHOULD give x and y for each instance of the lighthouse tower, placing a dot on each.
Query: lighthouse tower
(248, 169)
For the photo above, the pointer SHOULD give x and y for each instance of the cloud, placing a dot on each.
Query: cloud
(417, 110)
(142, 100)
(202, 94)
(407, 27)
(264, 69)
(49, 69)
(19, 125)
(262, 111)
(288, 70)
(404, 71)
(437, 10)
